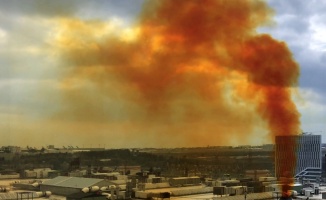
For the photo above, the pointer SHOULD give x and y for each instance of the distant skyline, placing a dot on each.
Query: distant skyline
(46, 100)
(103, 146)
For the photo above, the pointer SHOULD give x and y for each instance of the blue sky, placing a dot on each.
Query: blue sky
(31, 76)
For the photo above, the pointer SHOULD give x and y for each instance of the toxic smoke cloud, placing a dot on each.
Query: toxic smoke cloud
(195, 71)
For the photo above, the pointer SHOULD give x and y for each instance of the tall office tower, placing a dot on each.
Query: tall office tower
(306, 149)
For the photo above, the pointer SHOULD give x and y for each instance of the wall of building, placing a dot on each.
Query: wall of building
(37, 173)
(64, 191)
(307, 149)
(9, 176)
(68, 190)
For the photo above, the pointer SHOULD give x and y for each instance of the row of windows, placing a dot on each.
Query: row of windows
(304, 150)
(313, 139)
(304, 158)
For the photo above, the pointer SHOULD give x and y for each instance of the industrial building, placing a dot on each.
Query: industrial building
(308, 153)
(78, 188)
(11, 175)
(65, 186)
(24, 195)
(37, 173)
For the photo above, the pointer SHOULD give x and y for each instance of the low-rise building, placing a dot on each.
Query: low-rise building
(37, 173)
(256, 174)
(10, 176)
(65, 186)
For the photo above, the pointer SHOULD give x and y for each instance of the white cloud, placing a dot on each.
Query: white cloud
(318, 33)
(313, 111)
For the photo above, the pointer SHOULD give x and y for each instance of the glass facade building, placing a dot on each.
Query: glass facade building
(306, 152)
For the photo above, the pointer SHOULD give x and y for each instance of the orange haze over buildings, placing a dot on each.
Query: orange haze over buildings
(188, 71)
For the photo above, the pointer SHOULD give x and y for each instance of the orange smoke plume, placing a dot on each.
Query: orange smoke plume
(187, 64)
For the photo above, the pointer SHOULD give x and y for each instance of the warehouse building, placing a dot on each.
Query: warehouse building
(65, 186)
(37, 173)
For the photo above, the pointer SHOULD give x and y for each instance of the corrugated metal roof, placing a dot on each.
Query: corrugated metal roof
(72, 182)
(55, 180)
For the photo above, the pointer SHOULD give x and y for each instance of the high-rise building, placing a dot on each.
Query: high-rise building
(306, 157)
